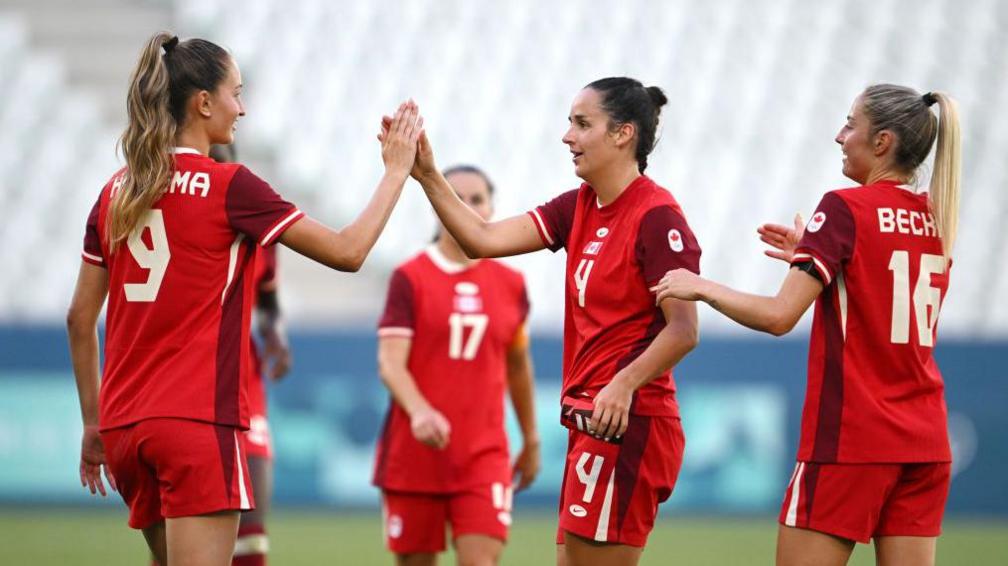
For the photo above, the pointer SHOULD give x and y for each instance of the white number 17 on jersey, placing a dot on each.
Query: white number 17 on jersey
(458, 323)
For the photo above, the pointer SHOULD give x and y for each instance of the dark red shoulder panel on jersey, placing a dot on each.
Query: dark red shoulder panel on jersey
(92, 239)
(828, 241)
(399, 312)
(256, 210)
(665, 242)
(554, 219)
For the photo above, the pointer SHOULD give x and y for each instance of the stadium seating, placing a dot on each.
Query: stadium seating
(758, 90)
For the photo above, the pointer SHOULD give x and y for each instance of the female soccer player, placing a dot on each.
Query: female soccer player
(622, 232)
(452, 336)
(874, 458)
(171, 242)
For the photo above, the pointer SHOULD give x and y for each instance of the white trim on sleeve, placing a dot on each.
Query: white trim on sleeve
(92, 257)
(268, 238)
(401, 331)
(542, 226)
(818, 264)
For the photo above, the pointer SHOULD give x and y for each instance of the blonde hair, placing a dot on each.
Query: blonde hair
(147, 141)
(907, 114)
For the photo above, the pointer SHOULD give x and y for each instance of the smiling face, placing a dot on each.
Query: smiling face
(858, 144)
(473, 190)
(225, 106)
(592, 143)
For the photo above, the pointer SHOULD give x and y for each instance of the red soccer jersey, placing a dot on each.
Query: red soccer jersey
(615, 253)
(874, 391)
(462, 321)
(180, 294)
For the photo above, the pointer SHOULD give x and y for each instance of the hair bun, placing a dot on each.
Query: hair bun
(657, 96)
(929, 98)
(170, 44)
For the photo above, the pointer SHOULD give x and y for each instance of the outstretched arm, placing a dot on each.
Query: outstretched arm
(776, 315)
(82, 333)
(347, 248)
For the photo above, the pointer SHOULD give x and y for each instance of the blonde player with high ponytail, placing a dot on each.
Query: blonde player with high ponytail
(874, 458)
(171, 243)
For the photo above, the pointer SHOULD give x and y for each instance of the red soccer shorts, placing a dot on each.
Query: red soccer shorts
(415, 522)
(611, 492)
(861, 501)
(168, 468)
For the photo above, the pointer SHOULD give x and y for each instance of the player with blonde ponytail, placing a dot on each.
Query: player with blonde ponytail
(171, 243)
(874, 460)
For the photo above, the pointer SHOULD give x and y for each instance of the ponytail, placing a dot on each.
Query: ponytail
(945, 178)
(147, 141)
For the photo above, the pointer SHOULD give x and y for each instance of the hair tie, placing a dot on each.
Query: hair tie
(169, 45)
(929, 98)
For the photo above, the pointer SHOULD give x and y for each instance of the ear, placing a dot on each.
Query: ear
(202, 102)
(624, 134)
(883, 142)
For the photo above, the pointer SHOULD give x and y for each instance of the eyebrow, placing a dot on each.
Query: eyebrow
(577, 117)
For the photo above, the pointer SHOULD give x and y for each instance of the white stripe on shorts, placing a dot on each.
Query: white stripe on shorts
(242, 491)
(792, 512)
(602, 530)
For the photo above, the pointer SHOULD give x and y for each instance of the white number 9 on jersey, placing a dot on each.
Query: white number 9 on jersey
(154, 259)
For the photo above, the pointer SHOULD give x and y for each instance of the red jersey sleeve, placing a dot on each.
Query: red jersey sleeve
(828, 241)
(92, 251)
(398, 319)
(554, 219)
(665, 242)
(256, 210)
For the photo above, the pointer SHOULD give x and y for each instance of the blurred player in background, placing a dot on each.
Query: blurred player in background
(171, 241)
(622, 232)
(271, 359)
(450, 340)
(874, 456)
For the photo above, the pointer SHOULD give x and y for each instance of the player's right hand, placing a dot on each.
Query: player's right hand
(430, 427)
(399, 138)
(92, 462)
(783, 238)
(424, 163)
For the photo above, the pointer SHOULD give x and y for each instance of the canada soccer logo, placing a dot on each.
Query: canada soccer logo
(675, 240)
(395, 526)
(818, 219)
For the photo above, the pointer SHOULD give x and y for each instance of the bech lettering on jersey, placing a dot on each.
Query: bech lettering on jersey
(188, 182)
(910, 222)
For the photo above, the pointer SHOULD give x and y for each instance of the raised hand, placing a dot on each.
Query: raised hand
(399, 138)
(678, 284)
(424, 164)
(92, 461)
(783, 238)
(430, 427)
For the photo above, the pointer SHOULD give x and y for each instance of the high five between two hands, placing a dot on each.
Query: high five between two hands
(405, 147)
(686, 285)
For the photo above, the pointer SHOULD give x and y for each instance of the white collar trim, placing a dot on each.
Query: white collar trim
(178, 150)
(442, 262)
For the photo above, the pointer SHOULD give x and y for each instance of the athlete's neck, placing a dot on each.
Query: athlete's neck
(196, 140)
(884, 174)
(447, 245)
(609, 184)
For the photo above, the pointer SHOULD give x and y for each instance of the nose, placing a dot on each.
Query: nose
(840, 137)
(568, 137)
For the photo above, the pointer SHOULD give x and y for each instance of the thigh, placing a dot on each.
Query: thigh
(916, 504)
(201, 468)
(478, 549)
(611, 492)
(414, 522)
(481, 510)
(579, 551)
(136, 481)
(905, 551)
(843, 500)
(205, 540)
(803, 547)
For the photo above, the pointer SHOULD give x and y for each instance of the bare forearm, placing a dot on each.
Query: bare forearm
(665, 351)
(360, 235)
(521, 389)
(462, 222)
(765, 314)
(404, 390)
(85, 358)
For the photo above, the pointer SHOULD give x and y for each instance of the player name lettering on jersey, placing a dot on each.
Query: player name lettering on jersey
(188, 182)
(909, 222)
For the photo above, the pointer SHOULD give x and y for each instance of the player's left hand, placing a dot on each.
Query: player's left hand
(678, 284)
(611, 412)
(92, 461)
(527, 464)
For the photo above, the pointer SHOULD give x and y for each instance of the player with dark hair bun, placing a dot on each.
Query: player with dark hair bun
(622, 232)
(171, 242)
